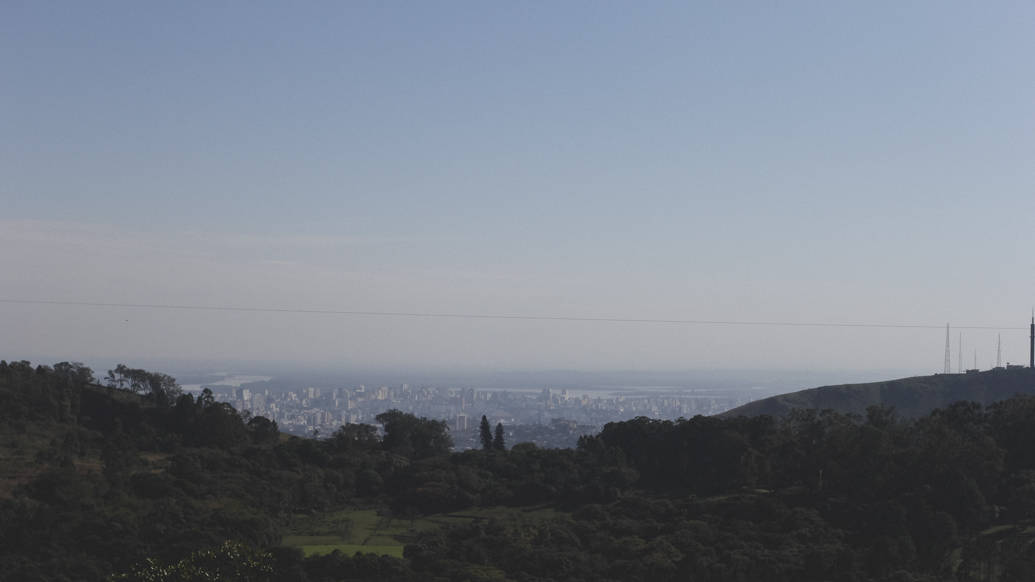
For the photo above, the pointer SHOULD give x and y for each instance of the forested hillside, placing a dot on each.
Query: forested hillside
(145, 483)
(911, 397)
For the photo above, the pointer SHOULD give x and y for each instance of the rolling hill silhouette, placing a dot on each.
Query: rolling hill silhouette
(911, 397)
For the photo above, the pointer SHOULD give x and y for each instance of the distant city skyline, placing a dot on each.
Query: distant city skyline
(795, 163)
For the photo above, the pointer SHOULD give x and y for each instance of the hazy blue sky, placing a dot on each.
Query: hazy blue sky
(792, 161)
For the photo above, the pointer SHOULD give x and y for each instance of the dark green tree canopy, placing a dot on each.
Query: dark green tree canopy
(75, 373)
(355, 437)
(161, 388)
(409, 436)
(485, 431)
(497, 440)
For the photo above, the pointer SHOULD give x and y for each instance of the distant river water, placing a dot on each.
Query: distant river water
(233, 380)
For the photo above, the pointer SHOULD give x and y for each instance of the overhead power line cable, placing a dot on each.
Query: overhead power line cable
(498, 316)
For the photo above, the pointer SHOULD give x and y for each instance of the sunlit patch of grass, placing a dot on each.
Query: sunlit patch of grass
(347, 531)
(996, 529)
(363, 530)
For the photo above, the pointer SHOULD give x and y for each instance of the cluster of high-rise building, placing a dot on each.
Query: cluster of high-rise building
(560, 415)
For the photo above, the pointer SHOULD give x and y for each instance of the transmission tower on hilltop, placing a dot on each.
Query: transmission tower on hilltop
(948, 365)
(960, 369)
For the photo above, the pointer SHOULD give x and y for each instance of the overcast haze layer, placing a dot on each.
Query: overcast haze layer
(796, 162)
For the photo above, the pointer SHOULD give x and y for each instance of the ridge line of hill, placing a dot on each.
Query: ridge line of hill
(911, 397)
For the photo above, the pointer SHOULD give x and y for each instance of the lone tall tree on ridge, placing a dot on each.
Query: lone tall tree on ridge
(497, 442)
(486, 433)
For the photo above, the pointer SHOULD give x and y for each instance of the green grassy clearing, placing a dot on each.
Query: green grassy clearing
(348, 531)
(363, 530)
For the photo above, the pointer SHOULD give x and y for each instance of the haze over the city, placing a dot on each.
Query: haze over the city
(796, 163)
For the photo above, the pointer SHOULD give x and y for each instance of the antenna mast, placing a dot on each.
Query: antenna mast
(960, 369)
(948, 366)
(999, 351)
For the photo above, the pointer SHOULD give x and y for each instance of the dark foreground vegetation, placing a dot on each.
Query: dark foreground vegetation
(141, 482)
